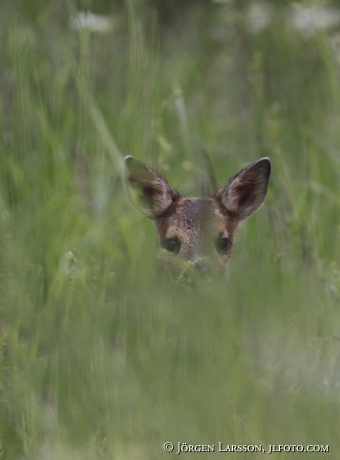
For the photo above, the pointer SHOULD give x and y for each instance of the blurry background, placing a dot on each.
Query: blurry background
(101, 357)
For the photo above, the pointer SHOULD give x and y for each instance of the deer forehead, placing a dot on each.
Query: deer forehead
(196, 218)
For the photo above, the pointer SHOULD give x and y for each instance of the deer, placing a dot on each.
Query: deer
(197, 234)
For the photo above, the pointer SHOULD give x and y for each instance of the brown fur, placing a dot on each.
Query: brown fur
(198, 230)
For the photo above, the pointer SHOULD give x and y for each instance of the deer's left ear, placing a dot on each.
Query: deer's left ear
(153, 194)
(245, 192)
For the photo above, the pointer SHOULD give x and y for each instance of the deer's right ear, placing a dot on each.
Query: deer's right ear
(147, 191)
(245, 192)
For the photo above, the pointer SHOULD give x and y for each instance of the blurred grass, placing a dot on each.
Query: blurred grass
(101, 357)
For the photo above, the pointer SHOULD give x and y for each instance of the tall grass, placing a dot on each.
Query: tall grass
(103, 357)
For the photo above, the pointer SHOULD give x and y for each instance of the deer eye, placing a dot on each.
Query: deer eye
(223, 245)
(172, 244)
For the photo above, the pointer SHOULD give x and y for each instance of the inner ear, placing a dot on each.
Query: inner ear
(147, 190)
(245, 192)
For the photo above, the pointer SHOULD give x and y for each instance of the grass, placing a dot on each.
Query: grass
(101, 355)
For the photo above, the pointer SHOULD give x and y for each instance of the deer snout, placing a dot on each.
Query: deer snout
(200, 267)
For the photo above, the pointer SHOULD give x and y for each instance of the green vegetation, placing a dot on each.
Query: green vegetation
(101, 355)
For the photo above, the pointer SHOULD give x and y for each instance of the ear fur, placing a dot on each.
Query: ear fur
(154, 194)
(245, 192)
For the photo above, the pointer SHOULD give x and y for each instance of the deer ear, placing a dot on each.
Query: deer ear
(245, 192)
(147, 191)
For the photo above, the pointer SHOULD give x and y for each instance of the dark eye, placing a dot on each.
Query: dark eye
(172, 244)
(223, 245)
